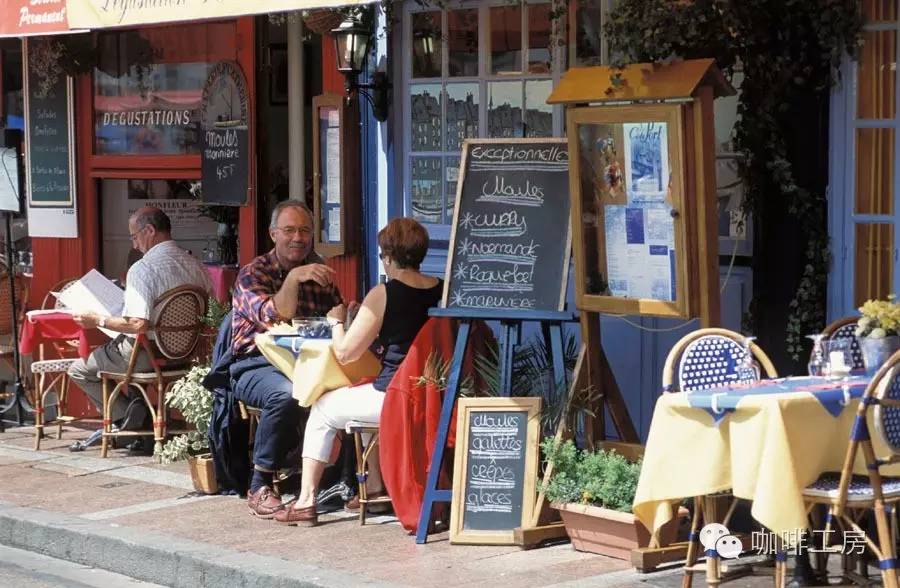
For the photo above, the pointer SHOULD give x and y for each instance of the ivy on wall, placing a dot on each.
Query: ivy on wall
(787, 51)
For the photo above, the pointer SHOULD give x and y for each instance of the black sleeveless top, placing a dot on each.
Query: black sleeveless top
(406, 310)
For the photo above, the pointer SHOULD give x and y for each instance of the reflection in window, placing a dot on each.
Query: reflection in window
(505, 109)
(462, 41)
(426, 189)
(539, 26)
(426, 45)
(506, 39)
(451, 176)
(462, 114)
(587, 34)
(425, 103)
(538, 114)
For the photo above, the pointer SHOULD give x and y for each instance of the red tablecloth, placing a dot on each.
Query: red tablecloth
(57, 326)
(223, 278)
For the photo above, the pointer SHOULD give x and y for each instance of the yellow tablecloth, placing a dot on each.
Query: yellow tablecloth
(768, 450)
(315, 370)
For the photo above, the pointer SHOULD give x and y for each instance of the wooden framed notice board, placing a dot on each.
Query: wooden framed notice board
(495, 468)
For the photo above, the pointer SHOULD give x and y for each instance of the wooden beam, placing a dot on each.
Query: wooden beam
(530, 537)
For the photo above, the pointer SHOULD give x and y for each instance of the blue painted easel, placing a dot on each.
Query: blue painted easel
(510, 331)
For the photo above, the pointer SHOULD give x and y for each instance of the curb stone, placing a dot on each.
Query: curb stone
(158, 558)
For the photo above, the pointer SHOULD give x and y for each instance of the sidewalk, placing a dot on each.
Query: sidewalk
(132, 516)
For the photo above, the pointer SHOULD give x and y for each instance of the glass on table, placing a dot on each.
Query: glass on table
(838, 358)
(817, 359)
(746, 370)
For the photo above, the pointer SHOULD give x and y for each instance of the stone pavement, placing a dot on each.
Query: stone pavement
(132, 516)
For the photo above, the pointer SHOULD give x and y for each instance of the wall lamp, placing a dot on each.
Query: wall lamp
(351, 43)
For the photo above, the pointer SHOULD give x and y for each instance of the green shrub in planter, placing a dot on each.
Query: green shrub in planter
(195, 402)
(600, 478)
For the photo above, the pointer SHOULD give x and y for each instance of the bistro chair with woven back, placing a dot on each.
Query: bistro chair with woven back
(50, 372)
(172, 343)
(850, 495)
(704, 359)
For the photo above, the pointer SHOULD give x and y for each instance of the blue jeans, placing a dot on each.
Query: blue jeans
(258, 383)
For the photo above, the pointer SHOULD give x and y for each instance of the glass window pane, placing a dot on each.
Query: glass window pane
(879, 10)
(539, 26)
(451, 175)
(506, 39)
(587, 33)
(538, 114)
(462, 42)
(426, 117)
(426, 189)
(148, 86)
(504, 109)
(874, 262)
(462, 114)
(876, 70)
(874, 171)
(426, 44)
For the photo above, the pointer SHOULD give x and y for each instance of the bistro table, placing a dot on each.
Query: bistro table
(765, 442)
(311, 364)
(58, 325)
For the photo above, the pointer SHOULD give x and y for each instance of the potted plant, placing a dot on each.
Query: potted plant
(593, 491)
(877, 330)
(195, 403)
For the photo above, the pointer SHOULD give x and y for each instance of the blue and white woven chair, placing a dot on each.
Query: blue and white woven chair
(703, 359)
(849, 495)
(845, 328)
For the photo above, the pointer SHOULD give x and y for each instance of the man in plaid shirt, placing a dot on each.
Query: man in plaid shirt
(289, 281)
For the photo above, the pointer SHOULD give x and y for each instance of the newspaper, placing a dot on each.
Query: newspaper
(94, 293)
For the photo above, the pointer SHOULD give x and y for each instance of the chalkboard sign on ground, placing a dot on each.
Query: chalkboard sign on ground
(509, 249)
(495, 468)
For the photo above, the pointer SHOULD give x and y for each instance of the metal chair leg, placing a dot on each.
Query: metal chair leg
(107, 419)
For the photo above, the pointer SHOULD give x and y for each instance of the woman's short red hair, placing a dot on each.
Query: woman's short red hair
(405, 241)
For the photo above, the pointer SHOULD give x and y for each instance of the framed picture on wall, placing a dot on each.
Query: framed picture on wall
(278, 77)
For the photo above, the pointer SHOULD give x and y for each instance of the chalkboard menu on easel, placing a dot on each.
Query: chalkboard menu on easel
(511, 239)
(495, 468)
(49, 136)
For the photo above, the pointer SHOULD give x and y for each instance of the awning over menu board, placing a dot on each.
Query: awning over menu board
(98, 14)
(22, 18)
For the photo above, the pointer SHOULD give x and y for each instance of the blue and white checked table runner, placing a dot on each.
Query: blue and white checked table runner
(834, 395)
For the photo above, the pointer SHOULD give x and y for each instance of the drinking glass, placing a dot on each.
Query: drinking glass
(746, 371)
(817, 358)
(838, 358)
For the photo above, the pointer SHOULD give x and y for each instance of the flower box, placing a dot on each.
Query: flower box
(603, 531)
(203, 473)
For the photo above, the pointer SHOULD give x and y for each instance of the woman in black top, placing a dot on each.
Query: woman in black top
(393, 313)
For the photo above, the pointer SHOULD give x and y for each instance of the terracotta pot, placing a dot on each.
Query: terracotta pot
(203, 474)
(610, 532)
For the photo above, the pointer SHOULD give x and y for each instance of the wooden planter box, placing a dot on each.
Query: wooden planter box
(203, 474)
(610, 532)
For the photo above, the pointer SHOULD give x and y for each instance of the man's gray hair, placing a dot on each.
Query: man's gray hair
(284, 205)
(154, 217)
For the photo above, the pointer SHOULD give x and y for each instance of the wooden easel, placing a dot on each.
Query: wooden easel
(510, 327)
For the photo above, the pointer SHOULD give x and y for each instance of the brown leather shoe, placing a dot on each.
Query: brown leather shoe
(301, 517)
(352, 505)
(263, 503)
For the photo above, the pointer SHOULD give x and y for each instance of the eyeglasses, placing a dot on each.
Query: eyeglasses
(291, 231)
(136, 233)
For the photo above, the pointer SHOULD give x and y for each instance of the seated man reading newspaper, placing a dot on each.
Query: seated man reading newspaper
(163, 267)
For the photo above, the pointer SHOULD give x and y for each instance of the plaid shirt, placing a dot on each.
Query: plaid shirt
(254, 305)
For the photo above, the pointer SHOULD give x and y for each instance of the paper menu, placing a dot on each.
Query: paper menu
(94, 293)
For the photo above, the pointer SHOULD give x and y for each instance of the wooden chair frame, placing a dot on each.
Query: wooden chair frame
(840, 508)
(363, 453)
(704, 506)
(160, 378)
(669, 376)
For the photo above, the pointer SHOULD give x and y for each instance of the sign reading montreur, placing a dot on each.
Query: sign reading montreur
(95, 14)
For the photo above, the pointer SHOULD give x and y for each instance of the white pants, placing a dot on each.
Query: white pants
(333, 411)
